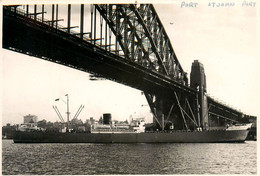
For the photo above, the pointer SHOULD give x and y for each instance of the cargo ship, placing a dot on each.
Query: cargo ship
(138, 131)
(231, 134)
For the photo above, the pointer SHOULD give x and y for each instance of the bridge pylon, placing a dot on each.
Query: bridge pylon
(198, 81)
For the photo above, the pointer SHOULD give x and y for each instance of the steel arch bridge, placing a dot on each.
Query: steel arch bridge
(126, 43)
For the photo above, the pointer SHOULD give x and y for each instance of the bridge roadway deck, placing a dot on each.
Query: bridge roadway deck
(38, 39)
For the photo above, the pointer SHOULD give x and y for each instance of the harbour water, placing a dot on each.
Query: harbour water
(88, 159)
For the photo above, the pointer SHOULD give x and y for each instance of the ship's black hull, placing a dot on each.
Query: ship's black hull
(173, 137)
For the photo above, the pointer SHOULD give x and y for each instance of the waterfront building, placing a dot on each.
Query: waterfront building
(30, 119)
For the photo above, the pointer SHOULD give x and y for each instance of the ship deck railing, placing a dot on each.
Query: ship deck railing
(124, 131)
(181, 131)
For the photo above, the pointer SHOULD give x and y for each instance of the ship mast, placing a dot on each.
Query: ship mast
(68, 113)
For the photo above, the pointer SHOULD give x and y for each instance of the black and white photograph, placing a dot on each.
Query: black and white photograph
(129, 87)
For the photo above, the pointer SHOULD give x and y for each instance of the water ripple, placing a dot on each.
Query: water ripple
(93, 159)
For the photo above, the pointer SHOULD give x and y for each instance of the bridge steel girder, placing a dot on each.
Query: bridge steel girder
(108, 13)
(152, 42)
(40, 40)
(220, 114)
(159, 40)
(148, 30)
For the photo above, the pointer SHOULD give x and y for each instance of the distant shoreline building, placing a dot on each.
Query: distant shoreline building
(30, 119)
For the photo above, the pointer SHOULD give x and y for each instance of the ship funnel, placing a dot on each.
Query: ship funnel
(107, 118)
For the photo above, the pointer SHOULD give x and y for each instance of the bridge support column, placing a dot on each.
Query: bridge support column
(42, 13)
(35, 11)
(27, 10)
(174, 109)
(52, 15)
(69, 15)
(154, 109)
(57, 15)
(81, 20)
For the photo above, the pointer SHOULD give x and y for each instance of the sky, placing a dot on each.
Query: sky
(223, 39)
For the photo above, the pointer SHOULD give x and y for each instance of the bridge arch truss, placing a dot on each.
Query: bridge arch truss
(142, 38)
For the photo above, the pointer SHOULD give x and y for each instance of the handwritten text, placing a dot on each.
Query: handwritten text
(217, 4)
(189, 4)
